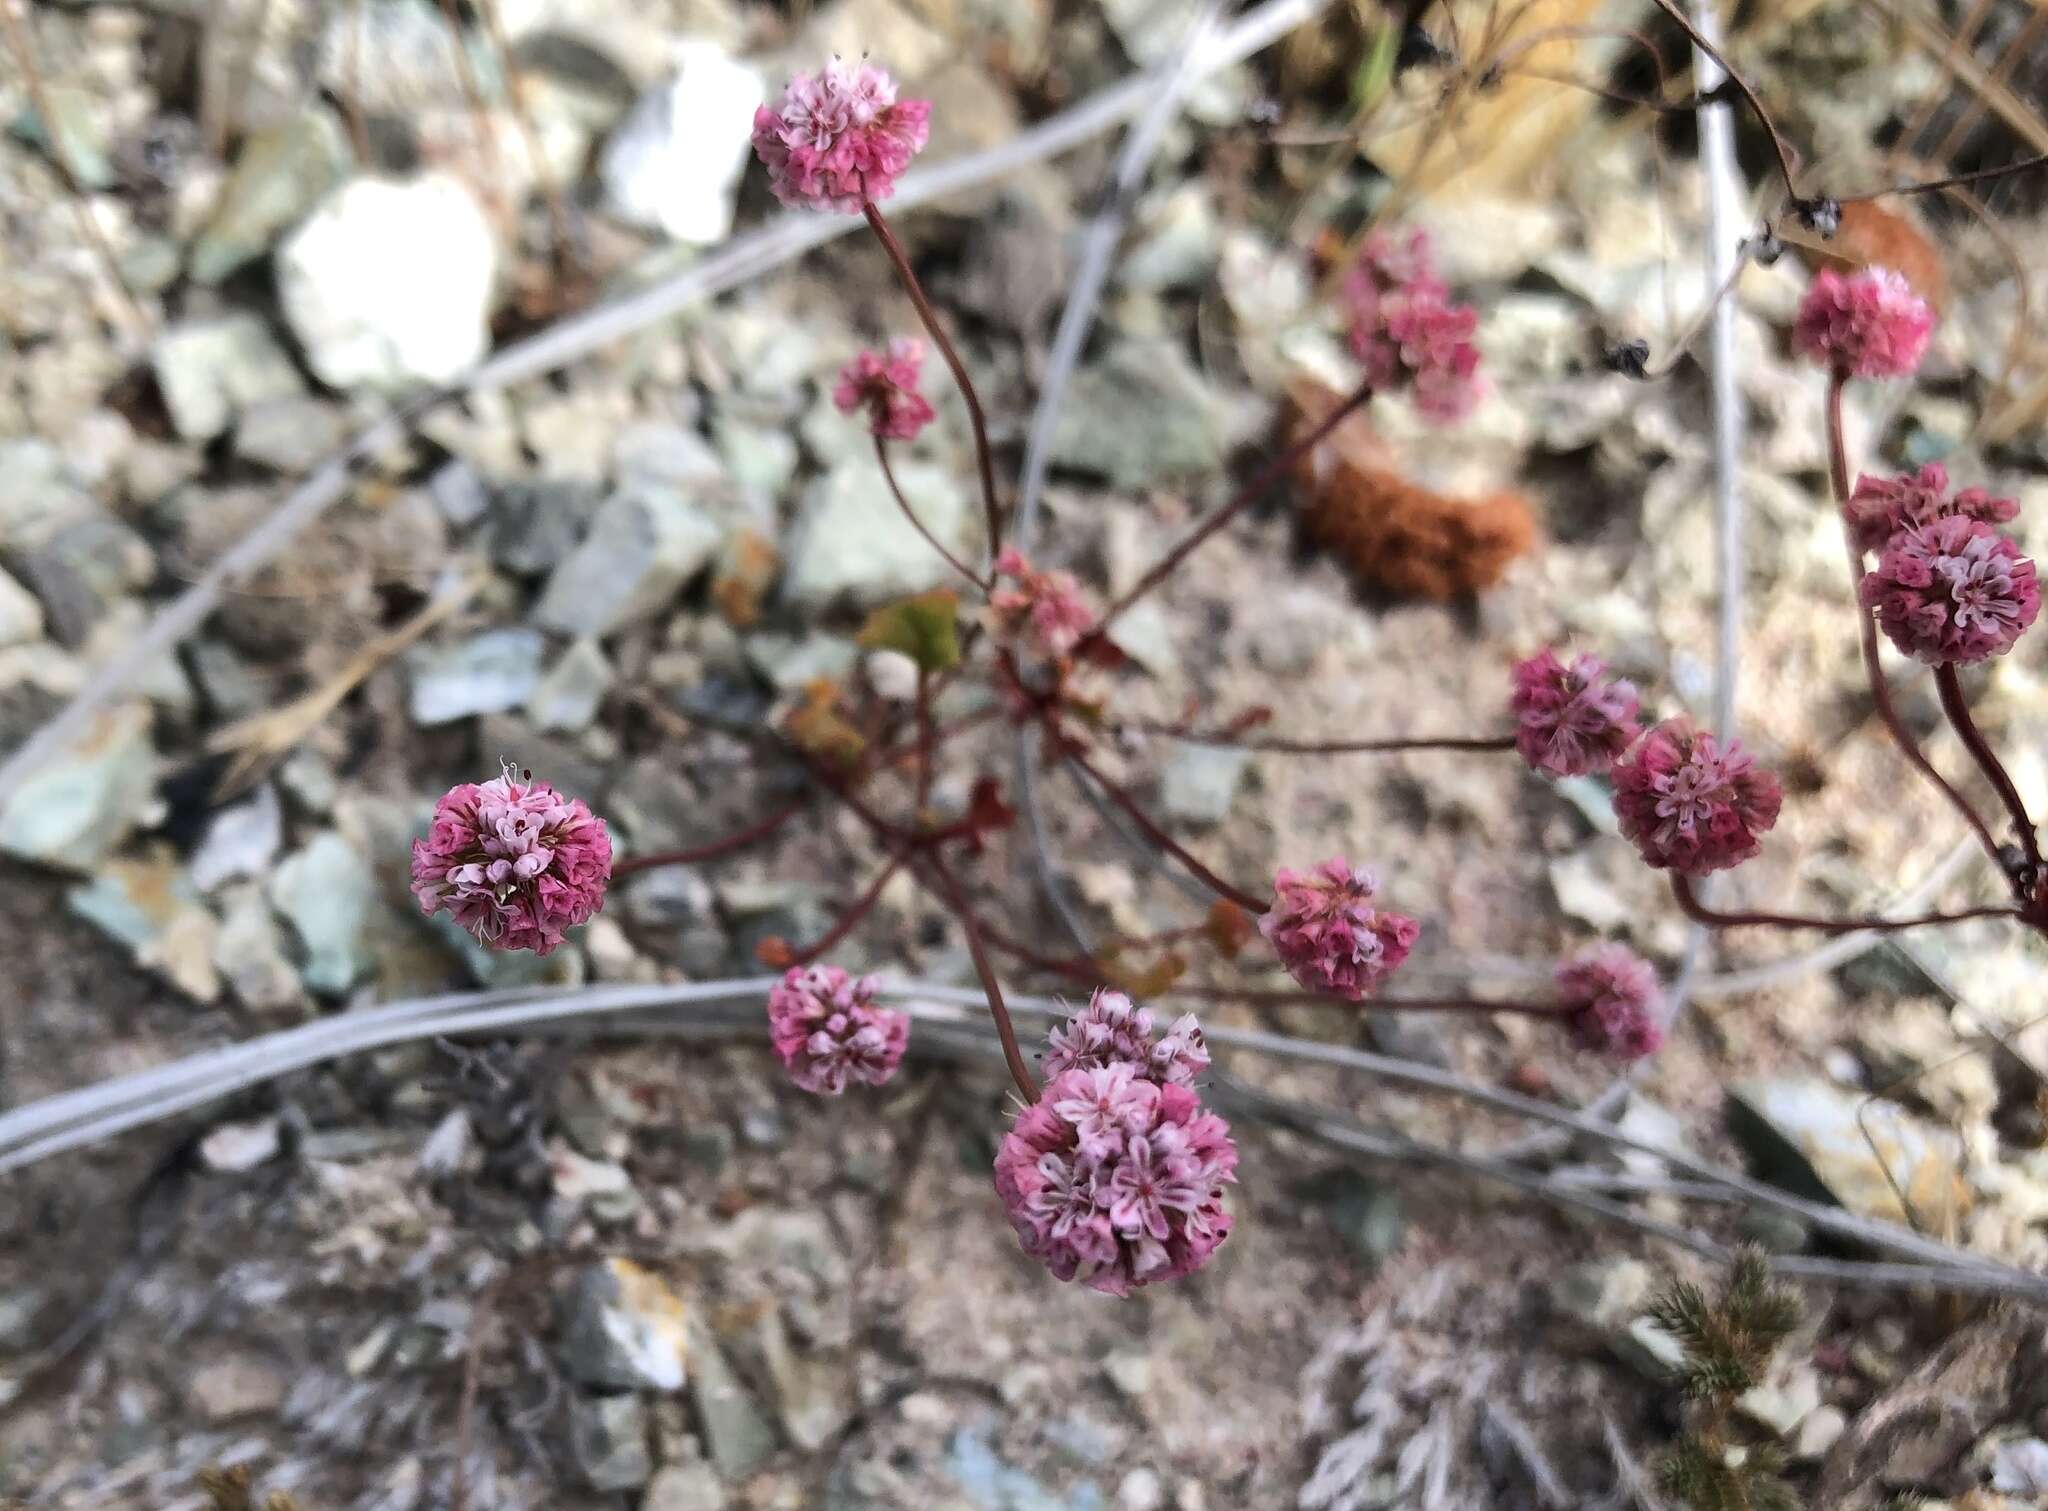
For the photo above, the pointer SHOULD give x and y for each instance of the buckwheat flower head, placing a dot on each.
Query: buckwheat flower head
(828, 1030)
(1954, 590)
(1866, 324)
(513, 861)
(885, 384)
(1617, 1005)
(1044, 609)
(1691, 806)
(1880, 507)
(1406, 330)
(1111, 1030)
(1328, 934)
(1571, 719)
(839, 137)
(1116, 1181)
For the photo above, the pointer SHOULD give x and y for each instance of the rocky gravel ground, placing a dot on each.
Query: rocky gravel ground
(667, 1279)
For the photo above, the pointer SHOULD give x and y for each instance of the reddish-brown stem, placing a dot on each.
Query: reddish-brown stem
(1259, 998)
(898, 753)
(984, 460)
(925, 743)
(1957, 707)
(1260, 481)
(1318, 747)
(888, 472)
(1136, 813)
(991, 987)
(1699, 912)
(851, 918)
(739, 839)
(1866, 627)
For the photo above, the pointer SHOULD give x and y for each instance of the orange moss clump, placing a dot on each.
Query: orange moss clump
(1396, 534)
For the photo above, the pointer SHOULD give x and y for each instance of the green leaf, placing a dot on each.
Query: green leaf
(1376, 69)
(922, 628)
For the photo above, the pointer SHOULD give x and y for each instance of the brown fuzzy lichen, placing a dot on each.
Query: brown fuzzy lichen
(1393, 533)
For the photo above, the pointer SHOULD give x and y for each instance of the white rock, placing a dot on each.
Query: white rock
(388, 284)
(854, 545)
(674, 161)
(240, 841)
(234, 1147)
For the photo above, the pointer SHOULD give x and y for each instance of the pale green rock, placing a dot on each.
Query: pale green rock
(81, 804)
(280, 174)
(327, 893)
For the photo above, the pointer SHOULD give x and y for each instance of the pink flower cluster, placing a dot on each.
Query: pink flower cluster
(1570, 720)
(1110, 1030)
(1690, 806)
(885, 384)
(1044, 609)
(1407, 332)
(827, 1030)
(1880, 507)
(1867, 324)
(514, 862)
(839, 137)
(1328, 934)
(1955, 590)
(1617, 1007)
(1115, 1180)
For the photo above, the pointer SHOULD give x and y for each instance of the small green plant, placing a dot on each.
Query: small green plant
(1729, 1339)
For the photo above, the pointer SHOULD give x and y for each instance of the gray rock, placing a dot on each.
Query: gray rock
(21, 617)
(1138, 417)
(1805, 1135)
(568, 696)
(736, 1431)
(685, 1487)
(231, 687)
(212, 370)
(992, 1484)
(151, 906)
(240, 841)
(674, 162)
(309, 781)
(232, 1385)
(1781, 1403)
(459, 493)
(792, 662)
(760, 458)
(646, 542)
(488, 673)
(79, 560)
(327, 892)
(812, 1397)
(534, 525)
(625, 1329)
(388, 283)
(280, 173)
(1601, 1303)
(150, 264)
(608, 1435)
(1179, 240)
(1368, 1216)
(72, 136)
(1198, 783)
(74, 810)
(290, 435)
(2020, 1467)
(248, 951)
(854, 545)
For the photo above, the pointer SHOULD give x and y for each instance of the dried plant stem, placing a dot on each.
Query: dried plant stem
(1957, 707)
(1866, 625)
(984, 460)
(23, 47)
(1689, 899)
(473, 94)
